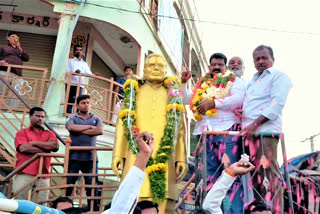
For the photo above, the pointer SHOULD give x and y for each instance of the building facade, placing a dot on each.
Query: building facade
(113, 34)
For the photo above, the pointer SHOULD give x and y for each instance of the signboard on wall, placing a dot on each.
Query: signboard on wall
(28, 20)
(171, 31)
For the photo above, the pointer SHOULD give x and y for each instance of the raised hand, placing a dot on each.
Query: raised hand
(185, 76)
(241, 168)
(145, 143)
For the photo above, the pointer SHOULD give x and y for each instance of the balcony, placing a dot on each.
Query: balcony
(19, 94)
(33, 88)
(102, 92)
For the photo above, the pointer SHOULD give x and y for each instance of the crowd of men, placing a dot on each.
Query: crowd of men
(83, 127)
(250, 107)
(253, 107)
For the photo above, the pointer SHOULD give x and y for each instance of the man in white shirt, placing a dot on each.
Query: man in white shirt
(215, 196)
(77, 65)
(262, 113)
(126, 198)
(221, 150)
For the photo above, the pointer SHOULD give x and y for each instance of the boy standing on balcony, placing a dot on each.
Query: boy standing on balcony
(84, 128)
(28, 142)
(76, 64)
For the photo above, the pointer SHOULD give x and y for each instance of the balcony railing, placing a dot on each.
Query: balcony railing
(16, 99)
(33, 88)
(102, 92)
(58, 179)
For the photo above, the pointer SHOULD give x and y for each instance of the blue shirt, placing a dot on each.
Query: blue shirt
(79, 139)
(266, 95)
(121, 81)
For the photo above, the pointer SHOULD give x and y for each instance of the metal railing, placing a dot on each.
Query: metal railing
(18, 94)
(12, 89)
(201, 183)
(15, 92)
(61, 186)
(31, 86)
(102, 92)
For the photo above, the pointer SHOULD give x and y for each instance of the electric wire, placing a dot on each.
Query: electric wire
(205, 21)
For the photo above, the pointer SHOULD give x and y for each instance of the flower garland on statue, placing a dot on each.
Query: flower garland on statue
(156, 167)
(210, 88)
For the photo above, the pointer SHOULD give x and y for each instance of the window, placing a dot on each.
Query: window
(185, 42)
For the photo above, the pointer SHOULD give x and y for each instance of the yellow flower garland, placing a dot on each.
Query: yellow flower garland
(169, 80)
(126, 85)
(156, 167)
(207, 88)
(175, 106)
(125, 112)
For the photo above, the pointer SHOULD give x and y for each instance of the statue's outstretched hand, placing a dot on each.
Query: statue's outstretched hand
(181, 170)
(116, 161)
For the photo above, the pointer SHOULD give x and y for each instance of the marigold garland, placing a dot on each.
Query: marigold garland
(209, 88)
(156, 167)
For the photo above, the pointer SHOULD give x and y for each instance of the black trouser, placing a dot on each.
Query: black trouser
(85, 167)
(72, 96)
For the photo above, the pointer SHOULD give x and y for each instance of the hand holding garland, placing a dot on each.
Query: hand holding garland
(200, 103)
(206, 105)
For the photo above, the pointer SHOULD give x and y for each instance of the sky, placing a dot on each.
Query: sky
(296, 54)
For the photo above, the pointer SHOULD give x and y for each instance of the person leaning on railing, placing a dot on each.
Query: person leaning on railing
(262, 112)
(77, 65)
(119, 90)
(28, 142)
(127, 195)
(13, 54)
